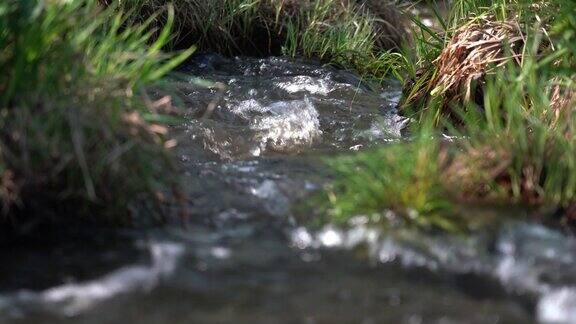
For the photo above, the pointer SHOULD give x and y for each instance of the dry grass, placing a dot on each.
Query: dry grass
(471, 171)
(472, 53)
(475, 50)
(563, 99)
(502, 83)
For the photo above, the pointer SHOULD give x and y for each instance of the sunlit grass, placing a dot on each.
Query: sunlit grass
(513, 142)
(403, 178)
(353, 36)
(73, 119)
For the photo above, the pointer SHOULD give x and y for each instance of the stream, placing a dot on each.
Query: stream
(251, 150)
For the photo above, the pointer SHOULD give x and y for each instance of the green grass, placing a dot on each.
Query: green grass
(76, 135)
(79, 136)
(345, 35)
(513, 145)
(354, 36)
(517, 147)
(403, 178)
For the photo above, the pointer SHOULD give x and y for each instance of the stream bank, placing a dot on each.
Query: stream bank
(246, 256)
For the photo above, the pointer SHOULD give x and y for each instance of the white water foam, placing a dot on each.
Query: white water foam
(526, 254)
(558, 306)
(288, 125)
(308, 84)
(74, 298)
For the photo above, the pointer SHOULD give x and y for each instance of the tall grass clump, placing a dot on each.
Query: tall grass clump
(77, 139)
(346, 34)
(403, 179)
(518, 147)
(356, 35)
(502, 87)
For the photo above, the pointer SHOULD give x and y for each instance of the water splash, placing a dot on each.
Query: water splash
(275, 105)
(528, 258)
(288, 126)
(74, 298)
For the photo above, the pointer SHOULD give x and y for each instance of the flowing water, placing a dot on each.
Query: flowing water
(251, 149)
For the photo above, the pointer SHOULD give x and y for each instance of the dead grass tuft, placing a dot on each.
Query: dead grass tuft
(475, 50)
(563, 99)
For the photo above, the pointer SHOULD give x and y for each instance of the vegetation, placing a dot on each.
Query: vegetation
(78, 134)
(75, 117)
(501, 84)
(353, 34)
(404, 178)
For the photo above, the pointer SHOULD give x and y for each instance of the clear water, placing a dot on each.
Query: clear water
(243, 256)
